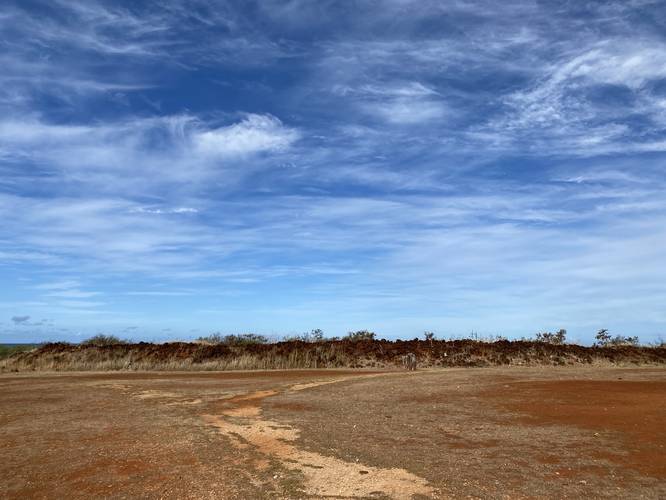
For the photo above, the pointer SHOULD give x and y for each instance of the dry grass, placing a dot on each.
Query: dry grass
(7, 350)
(179, 356)
(108, 358)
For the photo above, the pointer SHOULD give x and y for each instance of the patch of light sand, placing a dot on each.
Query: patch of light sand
(324, 475)
(152, 394)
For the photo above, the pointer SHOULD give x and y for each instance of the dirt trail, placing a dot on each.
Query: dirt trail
(323, 475)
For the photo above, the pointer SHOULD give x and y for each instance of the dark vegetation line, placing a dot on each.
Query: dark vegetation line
(7, 350)
(602, 339)
(360, 349)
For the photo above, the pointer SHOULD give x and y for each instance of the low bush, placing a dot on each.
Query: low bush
(7, 350)
(104, 340)
(316, 335)
(213, 338)
(359, 335)
(557, 338)
(234, 339)
(605, 339)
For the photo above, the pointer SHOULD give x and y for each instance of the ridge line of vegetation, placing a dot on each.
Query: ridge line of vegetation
(602, 339)
(358, 349)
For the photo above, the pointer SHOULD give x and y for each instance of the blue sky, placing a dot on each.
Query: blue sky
(173, 168)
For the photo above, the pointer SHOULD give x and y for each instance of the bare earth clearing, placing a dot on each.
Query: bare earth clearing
(488, 433)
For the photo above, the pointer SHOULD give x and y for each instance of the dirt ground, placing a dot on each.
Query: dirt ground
(446, 433)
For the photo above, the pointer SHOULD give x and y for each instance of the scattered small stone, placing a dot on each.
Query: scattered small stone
(582, 481)
(363, 472)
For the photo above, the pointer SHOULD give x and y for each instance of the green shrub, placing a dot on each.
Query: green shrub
(213, 338)
(557, 338)
(359, 335)
(627, 340)
(234, 339)
(7, 350)
(602, 338)
(104, 340)
(316, 335)
(605, 339)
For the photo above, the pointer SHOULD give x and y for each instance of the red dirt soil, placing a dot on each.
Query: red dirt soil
(629, 410)
(498, 432)
(482, 433)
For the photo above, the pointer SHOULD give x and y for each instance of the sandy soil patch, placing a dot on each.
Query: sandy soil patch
(324, 476)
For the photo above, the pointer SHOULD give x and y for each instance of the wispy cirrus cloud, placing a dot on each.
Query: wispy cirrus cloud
(585, 102)
(172, 150)
(37, 57)
(255, 133)
(159, 211)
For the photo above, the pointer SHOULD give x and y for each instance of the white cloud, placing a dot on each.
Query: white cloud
(58, 285)
(72, 294)
(254, 134)
(92, 26)
(621, 62)
(15, 132)
(142, 154)
(79, 304)
(153, 293)
(398, 103)
(66, 291)
(175, 210)
(555, 115)
(395, 89)
(407, 111)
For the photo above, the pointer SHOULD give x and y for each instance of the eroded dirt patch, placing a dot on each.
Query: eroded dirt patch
(323, 475)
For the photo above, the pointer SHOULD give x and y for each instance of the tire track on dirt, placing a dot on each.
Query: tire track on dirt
(323, 475)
